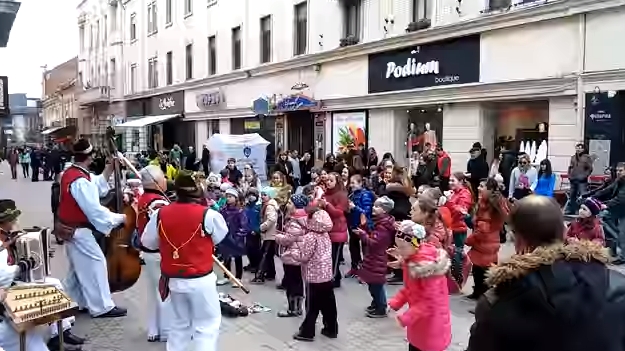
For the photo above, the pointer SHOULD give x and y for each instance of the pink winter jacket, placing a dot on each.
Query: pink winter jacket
(427, 319)
(290, 240)
(315, 252)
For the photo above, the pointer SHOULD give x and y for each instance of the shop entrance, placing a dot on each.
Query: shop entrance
(300, 131)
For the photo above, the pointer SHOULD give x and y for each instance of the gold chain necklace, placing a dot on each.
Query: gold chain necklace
(175, 254)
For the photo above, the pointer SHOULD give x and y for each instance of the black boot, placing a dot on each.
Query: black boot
(55, 345)
(290, 312)
(299, 305)
(72, 339)
(114, 313)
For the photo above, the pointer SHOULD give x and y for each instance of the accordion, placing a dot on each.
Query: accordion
(34, 243)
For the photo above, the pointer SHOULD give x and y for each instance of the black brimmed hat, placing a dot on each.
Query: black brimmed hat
(83, 147)
(186, 185)
(8, 211)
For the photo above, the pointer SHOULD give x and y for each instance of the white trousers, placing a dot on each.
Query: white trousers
(197, 315)
(67, 322)
(87, 277)
(160, 313)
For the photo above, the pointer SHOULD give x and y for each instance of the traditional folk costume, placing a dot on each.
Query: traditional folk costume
(186, 233)
(160, 312)
(10, 272)
(80, 209)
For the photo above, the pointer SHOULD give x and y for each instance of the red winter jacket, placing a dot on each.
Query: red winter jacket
(485, 241)
(337, 205)
(459, 204)
(586, 229)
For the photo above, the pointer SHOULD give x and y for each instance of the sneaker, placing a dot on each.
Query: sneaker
(370, 309)
(376, 314)
(223, 281)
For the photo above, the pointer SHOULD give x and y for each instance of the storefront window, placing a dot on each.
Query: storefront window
(213, 127)
(425, 129)
(136, 137)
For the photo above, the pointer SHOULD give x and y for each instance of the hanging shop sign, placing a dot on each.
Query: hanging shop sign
(601, 122)
(4, 95)
(295, 102)
(167, 104)
(455, 61)
(210, 100)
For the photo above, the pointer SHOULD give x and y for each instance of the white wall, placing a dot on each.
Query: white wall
(603, 31)
(565, 130)
(463, 125)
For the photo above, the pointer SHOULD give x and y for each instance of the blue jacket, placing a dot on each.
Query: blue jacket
(363, 201)
(233, 244)
(544, 185)
(252, 212)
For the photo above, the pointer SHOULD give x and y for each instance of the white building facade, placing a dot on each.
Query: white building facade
(316, 69)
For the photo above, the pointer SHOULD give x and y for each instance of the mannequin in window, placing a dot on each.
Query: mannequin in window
(429, 136)
(412, 139)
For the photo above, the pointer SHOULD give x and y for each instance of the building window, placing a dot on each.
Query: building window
(106, 29)
(212, 55)
(420, 9)
(301, 29)
(136, 139)
(113, 68)
(152, 18)
(153, 73)
(265, 39)
(133, 78)
(352, 19)
(169, 70)
(189, 61)
(168, 11)
(188, 7)
(81, 37)
(133, 26)
(236, 48)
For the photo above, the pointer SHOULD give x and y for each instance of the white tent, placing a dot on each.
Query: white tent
(244, 148)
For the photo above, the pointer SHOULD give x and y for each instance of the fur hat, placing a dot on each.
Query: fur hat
(8, 211)
(213, 180)
(384, 203)
(593, 205)
(82, 146)
(186, 185)
(232, 191)
(269, 191)
(300, 201)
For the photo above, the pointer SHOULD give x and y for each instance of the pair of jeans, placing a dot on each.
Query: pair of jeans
(337, 249)
(238, 266)
(267, 266)
(292, 281)
(614, 231)
(356, 247)
(457, 260)
(378, 294)
(253, 248)
(577, 189)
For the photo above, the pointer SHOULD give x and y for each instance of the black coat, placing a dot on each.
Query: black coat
(561, 298)
(397, 193)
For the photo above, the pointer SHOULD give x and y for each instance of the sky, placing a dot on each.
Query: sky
(45, 32)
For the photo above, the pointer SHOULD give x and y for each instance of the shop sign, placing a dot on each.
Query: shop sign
(600, 108)
(295, 102)
(167, 104)
(455, 61)
(210, 100)
(4, 95)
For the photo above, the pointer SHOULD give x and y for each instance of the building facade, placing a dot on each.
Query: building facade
(25, 121)
(390, 74)
(61, 89)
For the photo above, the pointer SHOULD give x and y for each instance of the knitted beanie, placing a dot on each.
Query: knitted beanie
(300, 201)
(593, 205)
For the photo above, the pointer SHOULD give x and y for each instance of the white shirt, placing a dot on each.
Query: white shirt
(87, 194)
(214, 223)
(7, 273)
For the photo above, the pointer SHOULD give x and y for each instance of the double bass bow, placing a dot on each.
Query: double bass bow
(122, 259)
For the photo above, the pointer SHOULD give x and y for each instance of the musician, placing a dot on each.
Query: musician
(10, 273)
(80, 210)
(160, 313)
(186, 234)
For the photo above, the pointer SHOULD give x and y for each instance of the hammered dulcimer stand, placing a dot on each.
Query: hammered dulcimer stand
(30, 305)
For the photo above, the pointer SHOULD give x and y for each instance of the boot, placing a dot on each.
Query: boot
(290, 312)
(299, 305)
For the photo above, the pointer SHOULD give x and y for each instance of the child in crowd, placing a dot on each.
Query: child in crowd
(224, 177)
(314, 178)
(315, 256)
(459, 202)
(587, 226)
(290, 242)
(492, 210)
(428, 318)
(253, 243)
(422, 189)
(268, 228)
(360, 211)
(233, 245)
(213, 193)
(374, 265)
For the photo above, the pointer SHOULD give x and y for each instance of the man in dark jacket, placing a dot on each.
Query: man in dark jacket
(509, 160)
(613, 216)
(580, 168)
(555, 296)
(477, 168)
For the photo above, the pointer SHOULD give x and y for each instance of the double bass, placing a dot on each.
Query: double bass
(122, 259)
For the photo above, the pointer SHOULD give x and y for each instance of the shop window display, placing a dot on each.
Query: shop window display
(425, 130)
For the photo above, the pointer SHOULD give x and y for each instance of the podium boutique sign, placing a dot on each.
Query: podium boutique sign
(455, 61)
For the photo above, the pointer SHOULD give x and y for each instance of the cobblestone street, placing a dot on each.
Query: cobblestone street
(262, 331)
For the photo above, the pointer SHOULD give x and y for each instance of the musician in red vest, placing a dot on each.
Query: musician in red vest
(444, 167)
(81, 214)
(154, 184)
(186, 233)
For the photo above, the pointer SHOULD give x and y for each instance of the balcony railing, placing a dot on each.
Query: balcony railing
(94, 96)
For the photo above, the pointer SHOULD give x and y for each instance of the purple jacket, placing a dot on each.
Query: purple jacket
(233, 244)
(373, 270)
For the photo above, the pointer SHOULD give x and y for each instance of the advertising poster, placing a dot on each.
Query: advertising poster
(348, 129)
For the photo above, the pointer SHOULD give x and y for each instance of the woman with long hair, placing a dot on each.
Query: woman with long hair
(459, 202)
(545, 181)
(399, 189)
(336, 203)
(522, 178)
